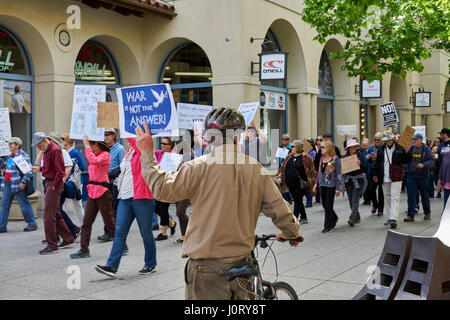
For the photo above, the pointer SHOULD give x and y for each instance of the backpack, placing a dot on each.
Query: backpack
(72, 187)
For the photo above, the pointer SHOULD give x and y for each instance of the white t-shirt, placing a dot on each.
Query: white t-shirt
(388, 152)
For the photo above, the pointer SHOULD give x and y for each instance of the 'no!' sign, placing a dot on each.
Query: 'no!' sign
(389, 114)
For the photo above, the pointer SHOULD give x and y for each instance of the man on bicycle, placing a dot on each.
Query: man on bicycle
(227, 190)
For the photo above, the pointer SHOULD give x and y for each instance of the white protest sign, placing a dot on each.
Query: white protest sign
(84, 112)
(22, 164)
(171, 161)
(152, 104)
(389, 114)
(346, 129)
(5, 132)
(282, 153)
(248, 110)
(422, 130)
(190, 115)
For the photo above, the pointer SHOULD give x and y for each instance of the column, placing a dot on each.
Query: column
(304, 125)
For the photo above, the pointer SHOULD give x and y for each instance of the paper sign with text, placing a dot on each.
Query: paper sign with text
(22, 164)
(406, 136)
(248, 110)
(190, 115)
(5, 132)
(389, 114)
(84, 112)
(282, 153)
(349, 164)
(171, 161)
(152, 104)
(108, 115)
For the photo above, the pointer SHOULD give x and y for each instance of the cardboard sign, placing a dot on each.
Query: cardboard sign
(406, 136)
(84, 112)
(5, 132)
(389, 114)
(349, 164)
(21, 163)
(282, 153)
(248, 110)
(190, 115)
(306, 145)
(152, 104)
(108, 115)
(350, 129)
(171, 161)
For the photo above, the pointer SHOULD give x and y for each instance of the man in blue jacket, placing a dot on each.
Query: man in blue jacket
(418, 173)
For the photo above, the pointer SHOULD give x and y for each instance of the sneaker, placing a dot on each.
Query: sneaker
(80, 255)
(32, 228)
(374, 209)
(427, 216)
(147, 270)
(351, 223)
(304, 221)
(155, 227)
(161, 237)
(380, 214)
(178, 241)
(109, 271)
(326, 230)
(172, 229)
(408, 219)
(105, 238)
(3, 230)
(47, 250)
(393, 224)
(64, 245)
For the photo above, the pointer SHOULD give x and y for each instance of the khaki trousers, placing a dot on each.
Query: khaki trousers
(206, 279)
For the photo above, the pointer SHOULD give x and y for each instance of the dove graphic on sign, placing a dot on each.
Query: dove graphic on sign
(159, 97)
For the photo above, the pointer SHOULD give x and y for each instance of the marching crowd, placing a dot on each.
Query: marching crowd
(118, 190)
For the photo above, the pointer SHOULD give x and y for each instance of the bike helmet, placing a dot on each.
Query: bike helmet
(225, 118)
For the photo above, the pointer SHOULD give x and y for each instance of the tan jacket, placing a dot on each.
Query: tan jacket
(308, 165)
(226, 202)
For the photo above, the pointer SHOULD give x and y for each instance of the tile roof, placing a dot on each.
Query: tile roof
(135, 7)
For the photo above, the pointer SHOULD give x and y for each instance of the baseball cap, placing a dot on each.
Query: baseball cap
(15, 140)
(56, 137)
(37, 137)
(417, 136)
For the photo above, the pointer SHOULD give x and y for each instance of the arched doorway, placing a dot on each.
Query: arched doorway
(16, 86)
(188, 71)
(325, 98)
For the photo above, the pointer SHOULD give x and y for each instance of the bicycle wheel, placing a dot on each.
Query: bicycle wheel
(284, 291)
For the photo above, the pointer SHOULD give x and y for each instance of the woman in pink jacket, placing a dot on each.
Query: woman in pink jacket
(100, 196)
(135, 201)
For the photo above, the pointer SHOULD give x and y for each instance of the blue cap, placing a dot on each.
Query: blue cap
(37, 137)
(417, 136)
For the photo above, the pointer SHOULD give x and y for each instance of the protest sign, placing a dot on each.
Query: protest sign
(22, 164)
(152, 104)
(349, 164)
(84, 112)
(248, 110)
(350, 129)
(282, 153)
(5, 132)
(389, 114)
(190, 115)
(108, 115)
(406, 136)
(306, 145)
(422, 130)
(171, 161)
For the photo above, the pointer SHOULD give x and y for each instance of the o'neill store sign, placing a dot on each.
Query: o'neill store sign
(272, 65)
(94, 64)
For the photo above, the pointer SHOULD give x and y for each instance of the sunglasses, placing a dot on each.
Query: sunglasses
(165, 144)
(322, 147)
(108, 134)
(319, 139)
(377, 140)
(285, 139)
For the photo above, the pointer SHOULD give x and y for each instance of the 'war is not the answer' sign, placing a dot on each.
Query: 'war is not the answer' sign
(152, 104)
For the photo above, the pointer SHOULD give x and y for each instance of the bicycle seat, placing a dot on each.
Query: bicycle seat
(246, 271)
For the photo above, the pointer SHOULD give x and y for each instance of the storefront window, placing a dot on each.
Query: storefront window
(11, 55)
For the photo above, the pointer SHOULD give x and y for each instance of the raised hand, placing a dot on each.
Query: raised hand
(144, 140)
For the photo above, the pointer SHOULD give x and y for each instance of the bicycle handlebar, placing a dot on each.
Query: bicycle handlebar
(270, 236)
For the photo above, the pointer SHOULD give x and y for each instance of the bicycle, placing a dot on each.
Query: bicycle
(258, 288)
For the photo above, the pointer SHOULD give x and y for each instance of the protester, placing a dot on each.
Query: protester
(162, 208)
(135, 202)
(434, 171)
(312, 153)
(116, 152)
(444, 176)
(297, 172)
(389, 170)
(327, 136)
(13, 184)
(285, 145)
(328, 183)
(365, 144)
(443, 148)
(418, 175)
(377, 202)
(355, 181)
(99, 190)
(255, 143)
(317, 146)
(226, 197)
(53, 172)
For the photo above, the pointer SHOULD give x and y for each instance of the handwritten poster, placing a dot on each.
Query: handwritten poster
(190, 115)
(152, 104)
(84, 112)
(171, 161)
(406, 136)
(5, 132)
(108, 115)
(349, 164)
(248, 110)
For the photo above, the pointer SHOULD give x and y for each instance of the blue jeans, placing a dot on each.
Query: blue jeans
(413, 186)
(24, 203)
(142, 210)
(308, 197)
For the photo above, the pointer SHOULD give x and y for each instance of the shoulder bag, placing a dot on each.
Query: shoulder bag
(396, 171)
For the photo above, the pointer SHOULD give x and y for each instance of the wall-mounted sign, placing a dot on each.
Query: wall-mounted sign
(370, 90)
(389, 114)
(422, 99)
(12, 59)
(272, 100)
(272, 65)
(94, 64)
(447, 104)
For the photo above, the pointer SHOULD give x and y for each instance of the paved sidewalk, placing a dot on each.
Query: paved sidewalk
(325, 266)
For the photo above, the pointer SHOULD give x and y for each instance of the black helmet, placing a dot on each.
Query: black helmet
(225, 118)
